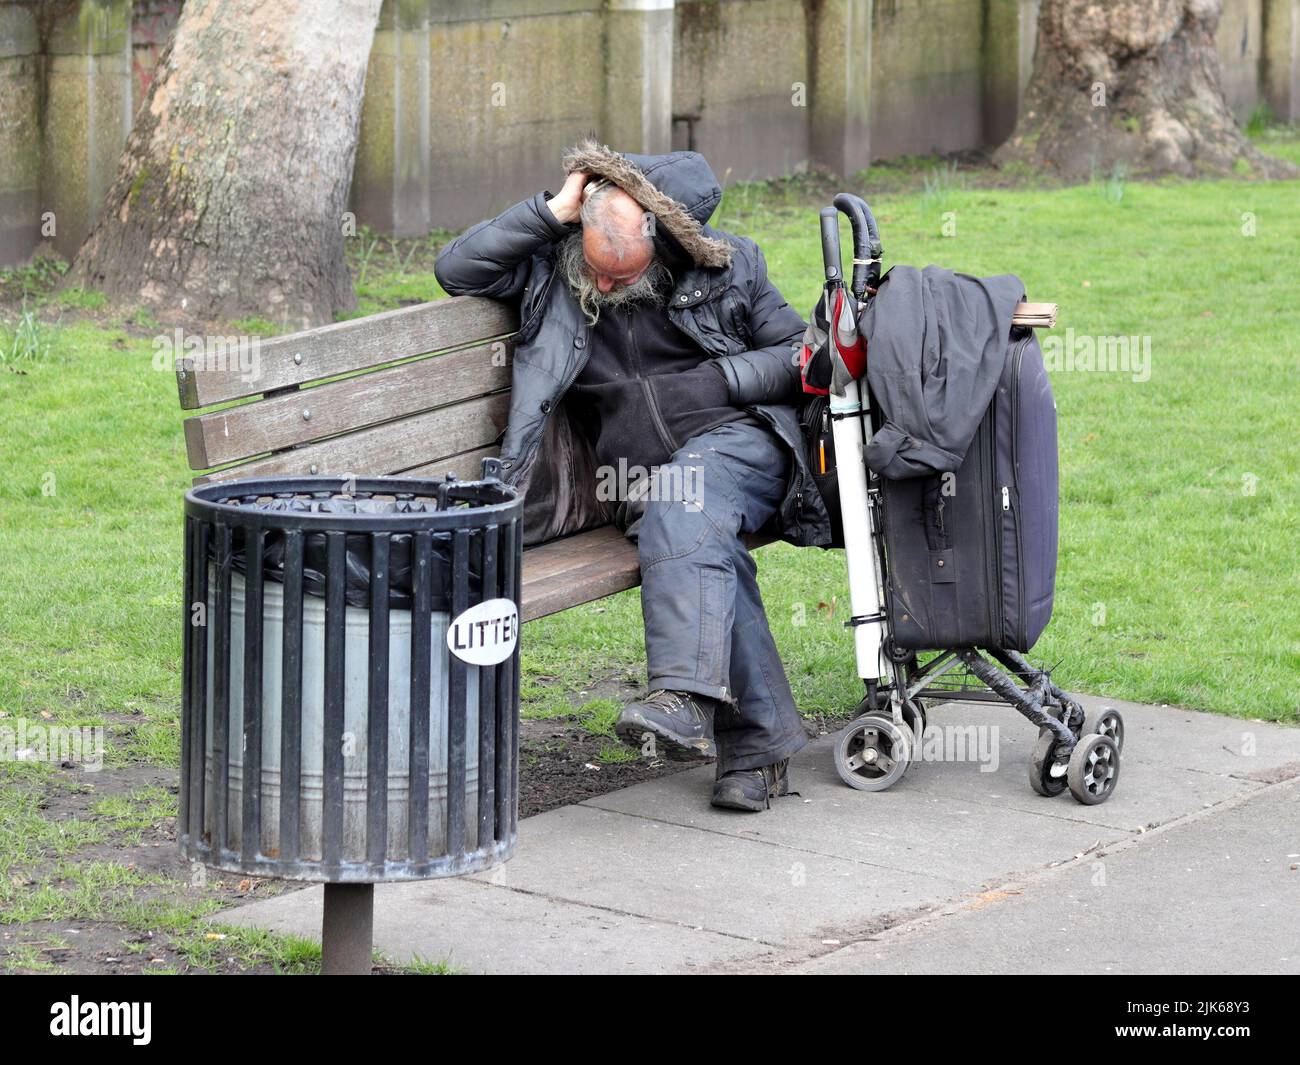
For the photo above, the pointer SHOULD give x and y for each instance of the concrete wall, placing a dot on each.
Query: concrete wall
(22, 64)
(739, 81)
(1280, 68)
(470, 102)
(88, 111)
(466, 104)
(1241, 48)
(66, 104)
(927, 76)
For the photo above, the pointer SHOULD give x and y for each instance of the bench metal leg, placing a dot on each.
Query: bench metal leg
(347, 931)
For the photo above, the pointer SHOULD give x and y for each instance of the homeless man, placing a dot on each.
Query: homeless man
(649, 339)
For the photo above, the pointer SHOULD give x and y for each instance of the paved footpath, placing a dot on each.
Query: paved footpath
(1188, 868)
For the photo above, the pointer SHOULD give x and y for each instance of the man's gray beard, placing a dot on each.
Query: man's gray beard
(651, 287)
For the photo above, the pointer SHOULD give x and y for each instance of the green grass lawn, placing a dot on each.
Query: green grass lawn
(1177, 575)
(1177, 579)
(1177, 572)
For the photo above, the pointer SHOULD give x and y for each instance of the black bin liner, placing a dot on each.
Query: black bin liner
(358, 551)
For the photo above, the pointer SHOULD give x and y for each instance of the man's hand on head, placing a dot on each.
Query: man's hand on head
(566, 205)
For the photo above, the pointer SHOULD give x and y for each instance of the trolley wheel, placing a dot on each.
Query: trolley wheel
(1094, 769)
(1107, 722)
(872, 753)
(901, 655)
(866, 706)
(1041, 778)
(913, 711)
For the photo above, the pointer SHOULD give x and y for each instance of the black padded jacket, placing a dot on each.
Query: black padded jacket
(733, 312)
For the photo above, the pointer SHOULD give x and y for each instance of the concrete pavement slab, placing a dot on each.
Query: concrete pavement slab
(908, 828)
(480, 928)
(1175, 762)
(652, 879)
(747, 888)
(1216, 893)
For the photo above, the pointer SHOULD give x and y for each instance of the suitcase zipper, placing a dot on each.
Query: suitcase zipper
(1017, 360)
(1020, 569)
(993, 530)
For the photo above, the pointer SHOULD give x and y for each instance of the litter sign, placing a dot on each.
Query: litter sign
(485, 634)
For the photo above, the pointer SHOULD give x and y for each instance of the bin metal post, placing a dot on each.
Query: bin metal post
(347, 930)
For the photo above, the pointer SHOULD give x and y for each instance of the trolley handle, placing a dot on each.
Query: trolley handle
(830, 219)
(866, 242)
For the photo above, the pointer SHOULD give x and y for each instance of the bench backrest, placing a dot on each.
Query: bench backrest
(421, 391)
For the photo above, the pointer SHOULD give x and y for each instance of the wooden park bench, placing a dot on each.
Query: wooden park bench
(420, 391)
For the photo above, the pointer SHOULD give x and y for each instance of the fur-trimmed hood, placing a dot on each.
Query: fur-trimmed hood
(679, 189)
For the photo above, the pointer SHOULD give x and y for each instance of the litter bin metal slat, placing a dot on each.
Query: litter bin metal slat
(512, 667)
(457, 697)
(291, 699)
(251, 832)
(421, 653)
(377, 705)
(221, 695)
(507, 682)
(199, 686)
(187, 668)
(335, 679)
(487, 701)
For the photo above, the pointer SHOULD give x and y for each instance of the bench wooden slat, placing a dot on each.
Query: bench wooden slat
(572, 553)
(392, 447)
(301, 417)
(468, 465)
(346, 346)
(395, 419)
(602, 564)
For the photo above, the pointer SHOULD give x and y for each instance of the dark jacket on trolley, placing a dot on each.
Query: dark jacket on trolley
(723, 301)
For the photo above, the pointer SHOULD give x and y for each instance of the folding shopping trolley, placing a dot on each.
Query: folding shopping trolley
(951, 573)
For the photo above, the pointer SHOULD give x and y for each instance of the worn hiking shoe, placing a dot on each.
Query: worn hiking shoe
(679, 723)
(751, 789)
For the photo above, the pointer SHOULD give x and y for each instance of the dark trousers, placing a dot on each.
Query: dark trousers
(705, 628)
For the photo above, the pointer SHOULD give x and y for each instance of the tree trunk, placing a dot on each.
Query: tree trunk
(1132, 83)
(230, 197)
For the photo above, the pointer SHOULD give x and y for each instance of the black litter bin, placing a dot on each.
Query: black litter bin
(351, 678)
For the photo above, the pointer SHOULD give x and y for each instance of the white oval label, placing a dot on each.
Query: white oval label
(485, 634)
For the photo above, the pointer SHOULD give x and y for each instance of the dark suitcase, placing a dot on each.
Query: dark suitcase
(972, 553)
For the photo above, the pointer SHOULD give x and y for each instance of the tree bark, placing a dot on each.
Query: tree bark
(1133, 83)
(230, 197)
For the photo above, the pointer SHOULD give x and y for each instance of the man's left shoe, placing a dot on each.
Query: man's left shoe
(752, 789)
